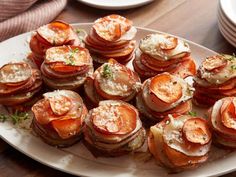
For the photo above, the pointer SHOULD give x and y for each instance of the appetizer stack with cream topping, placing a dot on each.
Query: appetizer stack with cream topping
(180, 142)
(57, 33)
(59, 118)
(66, 67)
(19, 82)
(162, 95)
(113, 129)
(215, 79)
(112, 81)
(159, 53)
(222, 121)
(111, 37)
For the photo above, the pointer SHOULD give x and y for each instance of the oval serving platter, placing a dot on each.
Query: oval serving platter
(77, 159)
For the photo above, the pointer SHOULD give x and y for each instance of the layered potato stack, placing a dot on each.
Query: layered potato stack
(111, 37)
(160, 53)
(215, 79)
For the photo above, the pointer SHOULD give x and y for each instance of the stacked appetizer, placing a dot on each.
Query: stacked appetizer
(215, 79)
(111, 37)
(113, 129)
(112, 81)
(57, 33)
(180, 142)
(66, 67)
(59, 118)
(159, 53)
(162, 95)
(222, 120)
(19, 82)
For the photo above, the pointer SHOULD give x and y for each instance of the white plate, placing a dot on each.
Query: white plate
(226, 30)
(229, 9)
(77, 159)
(115, 4)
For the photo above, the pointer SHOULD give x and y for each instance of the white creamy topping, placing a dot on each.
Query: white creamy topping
(151, 46)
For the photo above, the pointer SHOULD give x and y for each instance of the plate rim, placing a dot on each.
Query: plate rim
(224, 5)
(114, 7)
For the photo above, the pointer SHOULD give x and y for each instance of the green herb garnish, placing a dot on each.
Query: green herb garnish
(72, 53)
(233, 67)
(192, 113)
(15, 117)
(107, 72)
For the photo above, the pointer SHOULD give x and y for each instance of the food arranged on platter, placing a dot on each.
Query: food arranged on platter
(113, 129)
(160, 53)
(215, 79)
(66, 67)
(112, 81)
(111, 37)
(222, 121)
(59, 118)
(180, 142)
(164, 94)
(57, 33)
(19, 82)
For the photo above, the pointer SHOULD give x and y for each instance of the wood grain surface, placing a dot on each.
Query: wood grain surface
(195, 20)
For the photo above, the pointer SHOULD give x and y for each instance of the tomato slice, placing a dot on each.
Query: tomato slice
(15, 74)
(164, 88)
(169, 43)
(67, 128)
(214, 62)
(114, 119)
(228, 115)
(55, 33)
(195, 130)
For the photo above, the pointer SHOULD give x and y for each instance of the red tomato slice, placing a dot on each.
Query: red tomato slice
(196, 130)
(164, 88)
(114, 119)
(67, 128)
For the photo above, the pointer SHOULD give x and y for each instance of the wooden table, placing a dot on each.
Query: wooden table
(195, 20)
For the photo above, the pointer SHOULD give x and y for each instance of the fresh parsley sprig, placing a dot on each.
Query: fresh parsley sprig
(15, 118)
(192, 113)
(107, 72)
(72, 53)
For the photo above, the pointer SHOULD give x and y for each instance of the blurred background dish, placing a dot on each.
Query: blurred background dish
(115, 5)
(227, 20)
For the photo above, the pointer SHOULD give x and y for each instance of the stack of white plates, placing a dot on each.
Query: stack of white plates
(227, 20)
